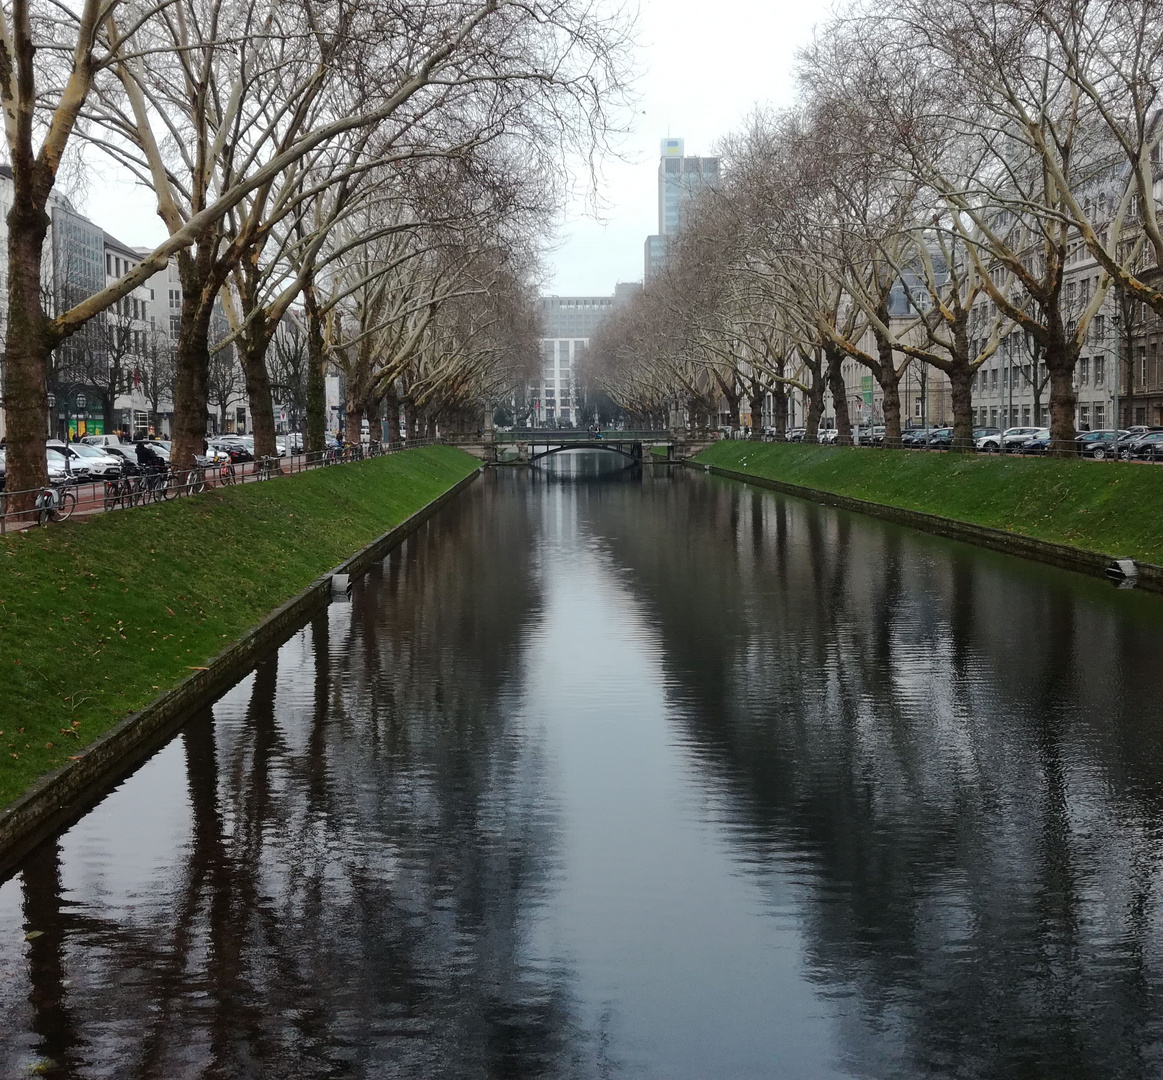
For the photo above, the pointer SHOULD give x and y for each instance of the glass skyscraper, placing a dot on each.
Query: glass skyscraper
(679, 179)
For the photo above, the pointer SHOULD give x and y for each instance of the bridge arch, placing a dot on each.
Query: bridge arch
(608, 447)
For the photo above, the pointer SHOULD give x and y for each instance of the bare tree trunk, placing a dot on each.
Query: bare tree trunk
(839, 395)
(316, 431)
(253, 349)
(392, 408)
(815, 411)
(960, 383)
(1061, 358)
(375, 422)
(890, 387)
(27, 352)
(779, 411)
(191, 383)
(756, 401)
(352, 420)
(409, 419)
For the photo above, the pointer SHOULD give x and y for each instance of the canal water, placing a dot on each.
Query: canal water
(633, 774)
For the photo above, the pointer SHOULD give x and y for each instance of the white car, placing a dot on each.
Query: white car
(1011, 439)
(58, 466)
(101, 465)
(73, 462)
(102, 440)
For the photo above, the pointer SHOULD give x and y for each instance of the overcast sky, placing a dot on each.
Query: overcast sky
(702, 66)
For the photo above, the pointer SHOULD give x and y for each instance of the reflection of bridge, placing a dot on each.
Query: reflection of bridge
(532, 444)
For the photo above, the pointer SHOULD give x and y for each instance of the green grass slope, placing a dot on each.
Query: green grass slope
(1115, 508)
(98, 617)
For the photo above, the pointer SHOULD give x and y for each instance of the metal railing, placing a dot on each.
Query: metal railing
(76, 495)
(568, 435)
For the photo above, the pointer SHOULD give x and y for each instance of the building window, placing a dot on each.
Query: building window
(1099, 370)
(1099, 417)
(1025, 415)
(993, 379)
(1084, 417)
(1084, 371)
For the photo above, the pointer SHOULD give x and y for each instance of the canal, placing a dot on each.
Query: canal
(633, 774)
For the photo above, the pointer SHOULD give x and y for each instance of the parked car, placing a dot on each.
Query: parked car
(827, 436)
(1010, 439)
(74, 463)
(1039, 444)
(102, 440)
(102, 465)
(126, 457)
(59, 469)
(1148, 447)
(236, 451)
(939, 438)
(1097, 444)
(796, 434)
(916, 436)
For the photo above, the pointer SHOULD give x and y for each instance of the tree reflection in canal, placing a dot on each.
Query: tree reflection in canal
(632, 773)
(966, 749)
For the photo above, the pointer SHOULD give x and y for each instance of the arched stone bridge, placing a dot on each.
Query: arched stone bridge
(533, 444)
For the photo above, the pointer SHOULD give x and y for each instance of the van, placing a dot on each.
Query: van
(102, 440)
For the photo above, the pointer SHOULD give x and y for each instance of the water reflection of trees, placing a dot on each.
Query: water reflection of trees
(368, 839)
(959, 755)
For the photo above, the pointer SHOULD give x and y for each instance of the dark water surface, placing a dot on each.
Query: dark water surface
(633, 775)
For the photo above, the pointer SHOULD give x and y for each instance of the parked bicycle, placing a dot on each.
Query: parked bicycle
(55, 504)
(119, 492)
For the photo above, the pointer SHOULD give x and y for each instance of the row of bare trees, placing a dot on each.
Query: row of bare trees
(956, 177)
(383, 167)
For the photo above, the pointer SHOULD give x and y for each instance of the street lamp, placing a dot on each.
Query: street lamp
(1116, 322)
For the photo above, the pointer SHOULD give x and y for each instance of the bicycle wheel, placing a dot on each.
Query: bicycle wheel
(111, 495)
(66, 504)
(227, 475)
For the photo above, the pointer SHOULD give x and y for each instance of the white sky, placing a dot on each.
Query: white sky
(702, 66)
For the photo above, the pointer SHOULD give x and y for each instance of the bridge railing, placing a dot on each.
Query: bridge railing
(557, 436)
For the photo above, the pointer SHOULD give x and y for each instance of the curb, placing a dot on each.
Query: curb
(1094, 563)
(59, 798)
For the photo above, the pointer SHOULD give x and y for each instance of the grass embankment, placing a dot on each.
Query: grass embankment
(1111, 507)
(98, 617)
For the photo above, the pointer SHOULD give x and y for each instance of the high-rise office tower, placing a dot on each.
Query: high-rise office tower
(679, 179)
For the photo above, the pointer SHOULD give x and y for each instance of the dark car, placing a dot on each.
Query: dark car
(1131, 438)
(1147, 447)
(914, 437)
(939, 439)
(237, 452)
(1039, 444)
(1096, 444)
